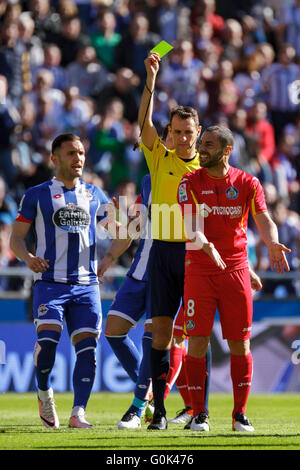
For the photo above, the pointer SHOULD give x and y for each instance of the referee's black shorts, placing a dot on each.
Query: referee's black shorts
(166, 277)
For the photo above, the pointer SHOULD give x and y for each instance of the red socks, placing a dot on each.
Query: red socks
(196, 375)
(176, 359)
(241, 376)
(182, 383)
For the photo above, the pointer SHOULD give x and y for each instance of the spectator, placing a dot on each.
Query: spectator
(277, 80)
(180, 78)
(207, 9)
(106, 39)
(70, 39)
(8, 206)
(13, 11)
(123, 15)
(24, 152)
(203, 35)
(46, 126)
(135, 45)
(267, 50)
(289, 26)
(107, 144)
(47, 22)
(243, 152)
(271, 195)
(222, 92)
(284, 170)
(7, 257)
(134, 159)
(233, 45)
(67, 9)
(11, 54)
(288, 224)
(33, 45)
(246, 155)
(44, 82)
(170, 19)
(124, 86)
(9, 118)
(87, 73)
(40, 171)
(260, 127)
(247, 78)
(73, 114)
(52, 62)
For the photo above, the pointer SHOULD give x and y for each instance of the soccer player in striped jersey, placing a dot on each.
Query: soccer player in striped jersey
(128, 307)
(64, 213)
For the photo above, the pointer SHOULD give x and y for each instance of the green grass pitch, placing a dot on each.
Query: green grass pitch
(276, 419)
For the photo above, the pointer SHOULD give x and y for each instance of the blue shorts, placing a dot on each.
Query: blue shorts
(166, 277)
(79, 306)
(132, 301)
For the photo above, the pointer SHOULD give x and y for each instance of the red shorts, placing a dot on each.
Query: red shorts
(230, 293)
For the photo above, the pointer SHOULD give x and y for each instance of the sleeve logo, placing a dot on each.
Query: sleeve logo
(182, 194)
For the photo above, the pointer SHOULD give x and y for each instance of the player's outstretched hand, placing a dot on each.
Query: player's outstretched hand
(210, 250)
(277, 257)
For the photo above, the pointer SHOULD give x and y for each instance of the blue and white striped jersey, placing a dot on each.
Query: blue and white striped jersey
(290, 17)
(277, 79)
(139, 267)
(64, 221)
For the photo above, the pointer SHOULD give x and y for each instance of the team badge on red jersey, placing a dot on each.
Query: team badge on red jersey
(232, 193)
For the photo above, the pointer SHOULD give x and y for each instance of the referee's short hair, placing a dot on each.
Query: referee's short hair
(60, 139)
(185, 112)
(224, 134)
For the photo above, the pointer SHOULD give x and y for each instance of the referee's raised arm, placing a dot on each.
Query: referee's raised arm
(148, 131)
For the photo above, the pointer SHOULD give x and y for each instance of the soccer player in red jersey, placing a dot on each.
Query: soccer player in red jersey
(215, 202)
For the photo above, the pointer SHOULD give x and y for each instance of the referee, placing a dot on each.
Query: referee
(167, 255)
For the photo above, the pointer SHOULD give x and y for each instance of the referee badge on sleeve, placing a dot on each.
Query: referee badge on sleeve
(182, 192)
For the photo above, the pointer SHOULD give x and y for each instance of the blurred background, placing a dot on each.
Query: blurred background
(78, 66)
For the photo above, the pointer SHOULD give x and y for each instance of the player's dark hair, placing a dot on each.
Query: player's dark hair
(60, 139)
(185, 112)
(224, 134)
(165, 132)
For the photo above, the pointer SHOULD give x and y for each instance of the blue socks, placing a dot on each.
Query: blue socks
(84, 371)
(127, 353)
(44, 356)
(144, 378)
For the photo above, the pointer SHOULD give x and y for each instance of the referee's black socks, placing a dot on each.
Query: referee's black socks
(160, 363)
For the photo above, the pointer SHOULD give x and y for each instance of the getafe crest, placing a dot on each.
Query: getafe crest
(232, 192)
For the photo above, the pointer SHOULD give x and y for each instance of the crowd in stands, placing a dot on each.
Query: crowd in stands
(78, 66)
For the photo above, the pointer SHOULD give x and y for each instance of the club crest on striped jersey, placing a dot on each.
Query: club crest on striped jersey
(71, 218)
(87, 194)
(232, 192)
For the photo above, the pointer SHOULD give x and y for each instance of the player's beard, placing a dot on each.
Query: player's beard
(68, 173)
(213, 159)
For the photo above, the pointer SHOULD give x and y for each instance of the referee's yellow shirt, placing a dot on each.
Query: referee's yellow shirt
(166, 170)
